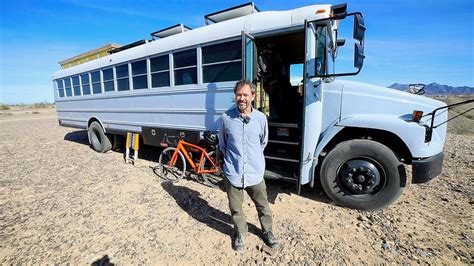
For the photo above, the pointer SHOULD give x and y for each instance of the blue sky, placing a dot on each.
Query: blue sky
(406, 41)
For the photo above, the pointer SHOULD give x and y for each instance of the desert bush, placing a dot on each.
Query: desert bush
(43, 104)
(463, 124)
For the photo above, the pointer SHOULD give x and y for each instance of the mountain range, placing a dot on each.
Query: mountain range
(437, 89)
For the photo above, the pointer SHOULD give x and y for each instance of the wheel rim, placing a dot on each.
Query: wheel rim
(361, 176)
(170, 172)
(211, 179)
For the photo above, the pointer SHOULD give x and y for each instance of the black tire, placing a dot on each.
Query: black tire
(117, 141)
(211, 180)
(363, 175)
(171, 173)
(97, 138)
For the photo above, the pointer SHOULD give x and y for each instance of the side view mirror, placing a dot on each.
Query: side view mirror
(358, 55)
(359, 27)
(418, 89)
(355, 36)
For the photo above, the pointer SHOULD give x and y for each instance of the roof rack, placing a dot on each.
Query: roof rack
(128, 46)
(178, 28)
(230, 13)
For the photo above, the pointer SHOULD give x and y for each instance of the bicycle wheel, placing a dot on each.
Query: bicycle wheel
(170, 172)
(212, 179)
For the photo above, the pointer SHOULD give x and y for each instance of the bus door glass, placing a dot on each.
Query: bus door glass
(249, 59)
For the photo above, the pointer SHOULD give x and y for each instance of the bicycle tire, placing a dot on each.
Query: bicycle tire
(211, 180)
(171, 173)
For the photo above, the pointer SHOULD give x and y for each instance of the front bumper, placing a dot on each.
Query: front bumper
(426, 169)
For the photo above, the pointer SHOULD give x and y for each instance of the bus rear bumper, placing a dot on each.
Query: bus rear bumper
(426, 169)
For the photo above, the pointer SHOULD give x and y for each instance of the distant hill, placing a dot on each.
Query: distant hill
(437, 89)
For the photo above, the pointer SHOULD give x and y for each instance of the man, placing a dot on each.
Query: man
(243, 134)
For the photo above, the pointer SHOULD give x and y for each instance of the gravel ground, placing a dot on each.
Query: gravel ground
(61, 202)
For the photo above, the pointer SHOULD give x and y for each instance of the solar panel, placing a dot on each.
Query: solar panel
(178, 28)
(233, 12)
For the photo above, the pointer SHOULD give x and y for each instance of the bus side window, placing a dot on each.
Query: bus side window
(96, 87)
(86, 88)
(160, 71)
(222, 62)
(67, 85)
(185, 67)
(60, 87)
(76, 87)
(320, 50)
(123, 83)
(139, 76)
(108, 76)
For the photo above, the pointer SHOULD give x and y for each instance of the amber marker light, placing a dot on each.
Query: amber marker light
(319, 11)
(416, 116)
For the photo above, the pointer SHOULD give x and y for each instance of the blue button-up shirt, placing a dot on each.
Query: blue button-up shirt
(242, 140)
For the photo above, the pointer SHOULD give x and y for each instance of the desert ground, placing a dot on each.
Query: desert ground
(61, 202)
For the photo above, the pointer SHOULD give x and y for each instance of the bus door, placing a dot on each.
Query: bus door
(315, 62)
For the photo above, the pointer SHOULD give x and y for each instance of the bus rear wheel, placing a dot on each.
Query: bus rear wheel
(97, 138)
(363, 175)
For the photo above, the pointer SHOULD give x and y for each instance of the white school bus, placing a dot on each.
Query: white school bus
(353, 139)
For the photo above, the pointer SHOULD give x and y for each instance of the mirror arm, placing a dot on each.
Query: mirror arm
(334, 75)
(340, 42)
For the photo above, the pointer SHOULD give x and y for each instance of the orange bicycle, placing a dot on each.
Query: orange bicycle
(172, 163)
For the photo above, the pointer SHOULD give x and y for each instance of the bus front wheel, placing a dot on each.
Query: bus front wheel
(362, 174)
(97, 138)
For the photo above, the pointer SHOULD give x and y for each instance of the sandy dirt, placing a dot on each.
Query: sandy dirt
(61, 202)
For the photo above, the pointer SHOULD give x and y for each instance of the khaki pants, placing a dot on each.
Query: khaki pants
(258, 194)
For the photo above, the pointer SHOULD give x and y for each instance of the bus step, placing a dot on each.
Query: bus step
(288, 125)
(282, 159)
(284, 142)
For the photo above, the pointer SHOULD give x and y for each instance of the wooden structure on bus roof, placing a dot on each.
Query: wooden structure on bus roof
(89, 55)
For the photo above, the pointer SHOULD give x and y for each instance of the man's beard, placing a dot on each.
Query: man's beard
(242, 106)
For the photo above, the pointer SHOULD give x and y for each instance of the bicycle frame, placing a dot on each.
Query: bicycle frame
(181, 147)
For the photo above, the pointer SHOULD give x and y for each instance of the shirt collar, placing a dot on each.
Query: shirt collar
(240, 114)
(241, 117)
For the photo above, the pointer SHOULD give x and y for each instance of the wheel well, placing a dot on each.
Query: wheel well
(386, 138)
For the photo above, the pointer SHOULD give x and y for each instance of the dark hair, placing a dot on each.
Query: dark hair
(242, 83)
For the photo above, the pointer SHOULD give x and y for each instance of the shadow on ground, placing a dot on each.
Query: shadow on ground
(104, 261)
(191, 202)
(78, 137)
(274, 187)
(146, 152)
